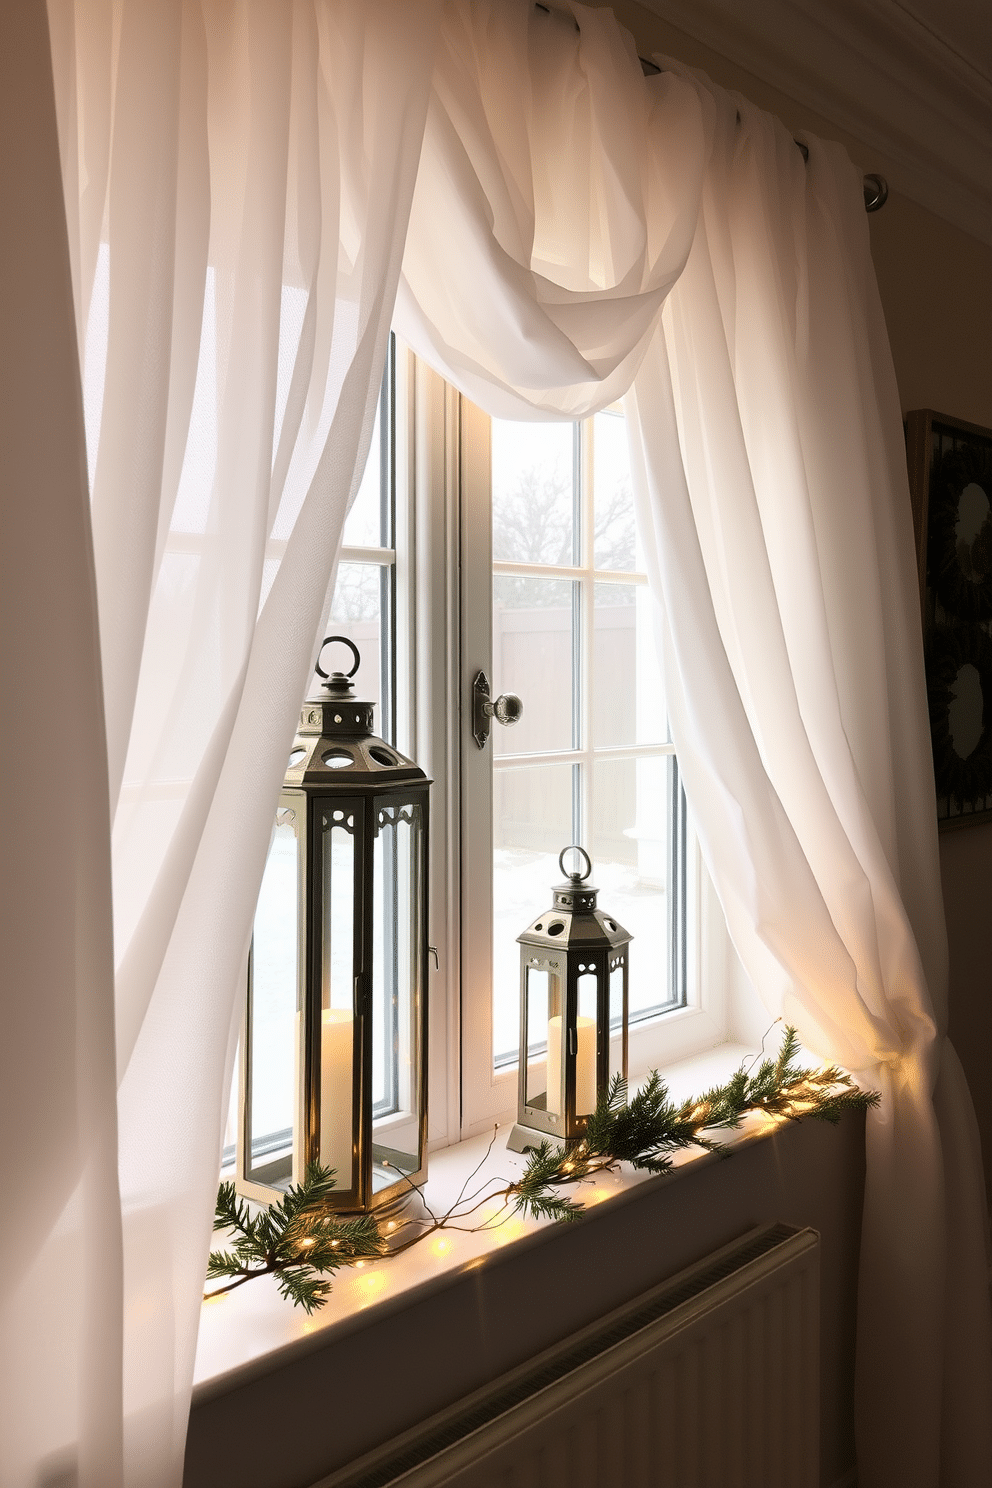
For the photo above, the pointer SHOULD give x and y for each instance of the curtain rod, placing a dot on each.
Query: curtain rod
(874, 186)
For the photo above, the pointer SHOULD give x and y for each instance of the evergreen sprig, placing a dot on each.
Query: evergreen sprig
(534, 1194)
(299, 1240)
(646, 1131)
(782, 1087)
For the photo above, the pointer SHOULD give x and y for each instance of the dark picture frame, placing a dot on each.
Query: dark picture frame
(950, 482)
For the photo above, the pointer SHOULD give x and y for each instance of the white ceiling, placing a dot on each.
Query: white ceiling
(911, 78)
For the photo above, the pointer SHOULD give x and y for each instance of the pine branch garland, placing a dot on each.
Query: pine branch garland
(533, 1194)
(297, 1240)
(300, 1241)
(646, 1131)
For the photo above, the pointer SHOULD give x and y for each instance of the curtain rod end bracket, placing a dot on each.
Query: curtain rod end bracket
(876, 189)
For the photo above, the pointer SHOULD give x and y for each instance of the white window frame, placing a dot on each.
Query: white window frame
(440, 466)
(444, 455)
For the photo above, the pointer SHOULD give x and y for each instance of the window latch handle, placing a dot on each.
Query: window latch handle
(507, 709)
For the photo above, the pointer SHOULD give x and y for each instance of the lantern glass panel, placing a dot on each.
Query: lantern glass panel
(543, 1015)
(397, 993)
(587, 984)
(616, 1020)
(274, 1010)
(337, 979)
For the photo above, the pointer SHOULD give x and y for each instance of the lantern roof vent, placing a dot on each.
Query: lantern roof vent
(574, 917)
(335, 744)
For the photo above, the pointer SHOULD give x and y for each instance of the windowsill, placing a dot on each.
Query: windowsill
(253, 1331)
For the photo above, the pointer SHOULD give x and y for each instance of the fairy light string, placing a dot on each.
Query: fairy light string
(302, 1244)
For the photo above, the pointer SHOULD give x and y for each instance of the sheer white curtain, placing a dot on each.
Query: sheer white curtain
(60, 1226)
(237, 183)
(775, 505)
(767, 446)
(238, 177)
(555, 182)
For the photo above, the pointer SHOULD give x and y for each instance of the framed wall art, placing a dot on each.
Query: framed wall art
(950, 478)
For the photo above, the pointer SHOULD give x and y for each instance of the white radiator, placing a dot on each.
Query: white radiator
(710, 1380)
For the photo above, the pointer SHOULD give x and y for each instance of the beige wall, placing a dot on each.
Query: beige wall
(936, 288)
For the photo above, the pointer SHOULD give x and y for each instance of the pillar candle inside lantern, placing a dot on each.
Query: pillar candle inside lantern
(336, 1054)
(585, 1065)
(336, 1050)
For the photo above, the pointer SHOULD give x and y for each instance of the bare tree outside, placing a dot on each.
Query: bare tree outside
(356, 593)
(533, 523)
(532, 520)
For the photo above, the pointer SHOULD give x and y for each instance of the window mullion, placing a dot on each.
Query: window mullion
(387, 535)
(353, 554)
(580, 756)
(564, 571)
(588, 598)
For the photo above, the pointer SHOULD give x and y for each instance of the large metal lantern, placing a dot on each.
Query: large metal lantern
(334, 1052)
(573, 1013)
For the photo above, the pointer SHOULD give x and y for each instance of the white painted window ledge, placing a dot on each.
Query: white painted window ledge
(253, 1330)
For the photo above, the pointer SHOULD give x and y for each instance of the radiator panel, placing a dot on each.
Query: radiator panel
(710, 1380)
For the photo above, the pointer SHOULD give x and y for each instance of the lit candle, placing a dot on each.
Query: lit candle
(336, 1052)
(585, 1065)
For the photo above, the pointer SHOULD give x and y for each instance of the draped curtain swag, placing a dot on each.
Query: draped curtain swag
(237, 183)
(253, 192)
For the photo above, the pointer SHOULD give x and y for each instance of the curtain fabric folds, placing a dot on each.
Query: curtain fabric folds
(239, 180)
(770, 475)
(552, 177)
(237, 184)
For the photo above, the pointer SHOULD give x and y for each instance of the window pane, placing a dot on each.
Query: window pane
(363, 528)
(630, 851)
(614, 541)
(629, 703)
(356, 612)
(275, 1030)
(534, 626)
(533, 492)
(532, 822)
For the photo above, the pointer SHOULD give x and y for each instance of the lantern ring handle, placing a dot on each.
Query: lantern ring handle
(345, 642)
(575, 877)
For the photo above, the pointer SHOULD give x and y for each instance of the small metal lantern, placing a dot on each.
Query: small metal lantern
(573, 1013)
(334, 1052)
